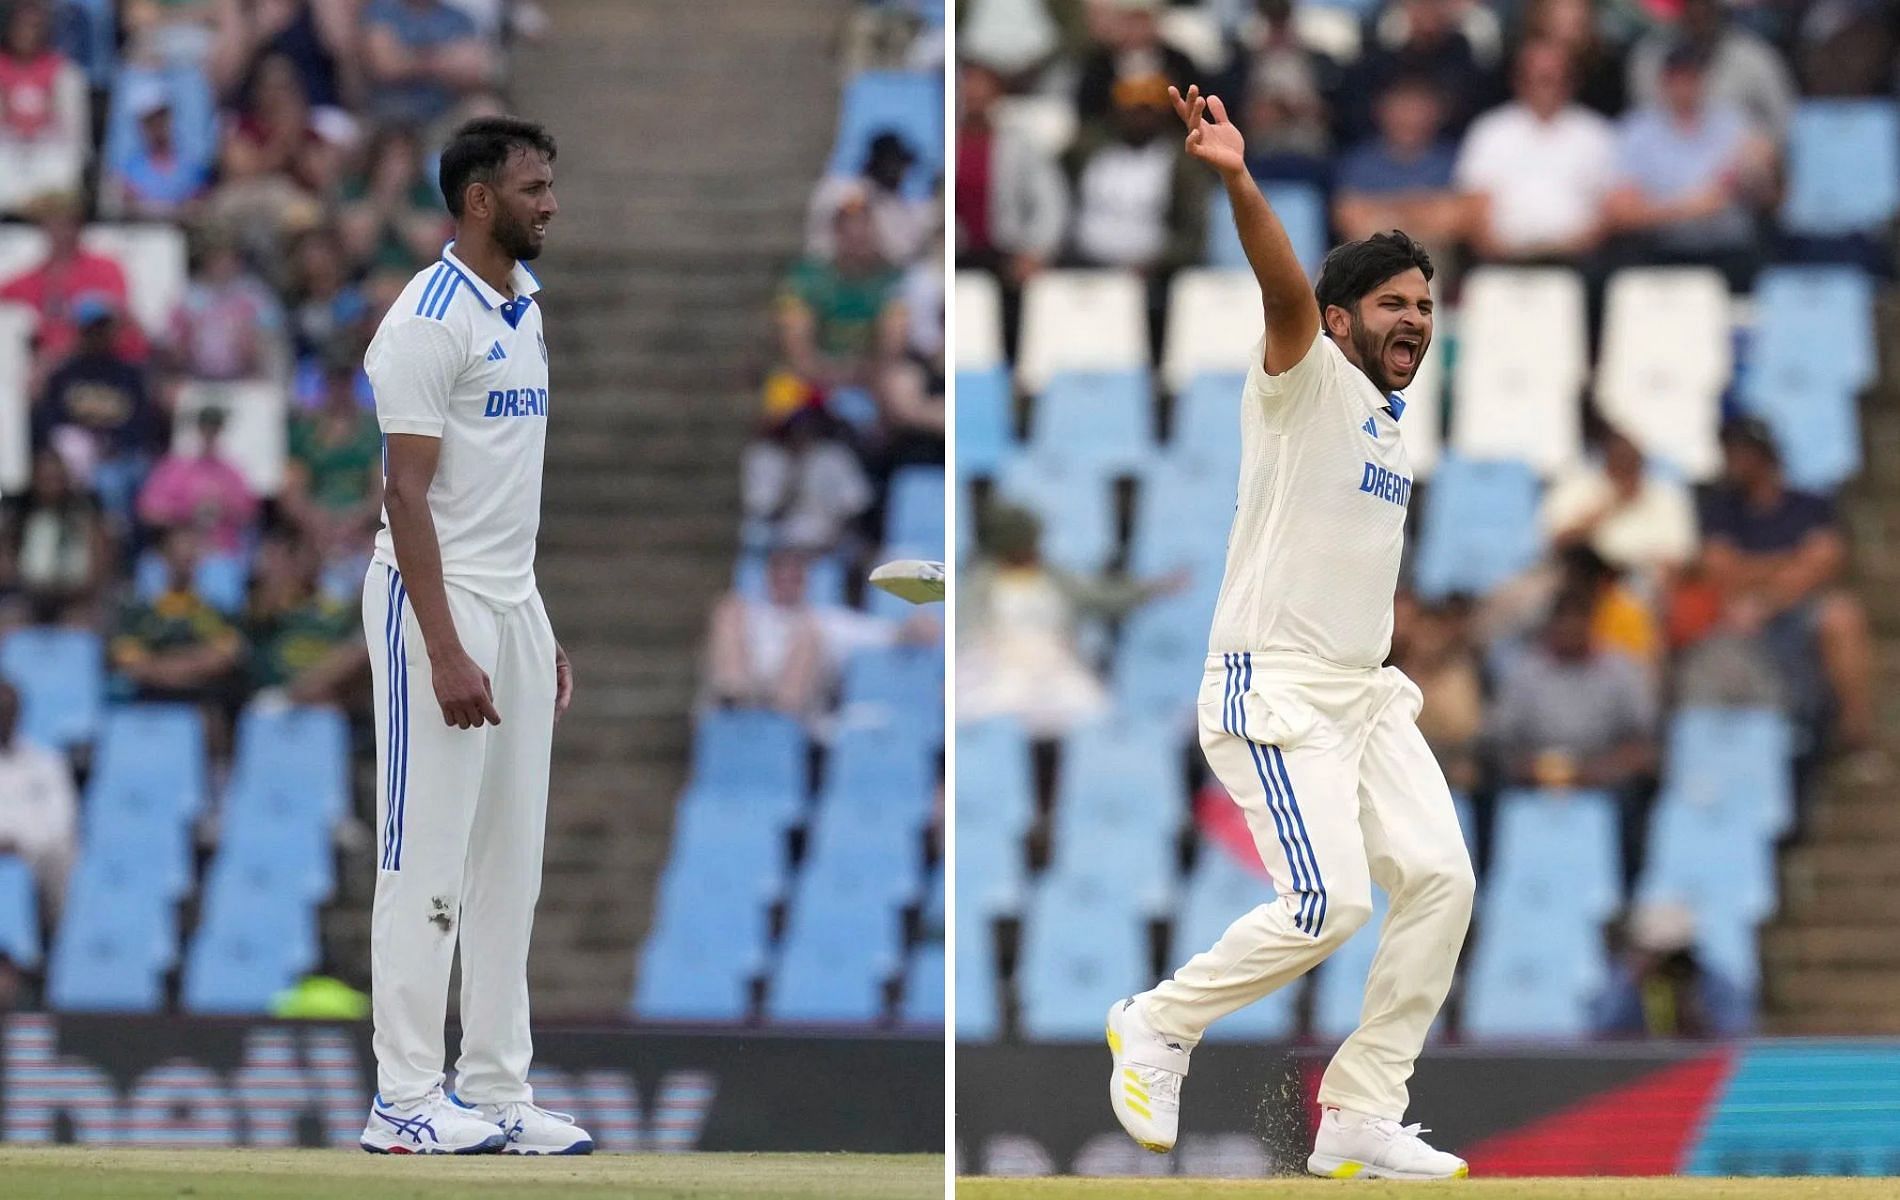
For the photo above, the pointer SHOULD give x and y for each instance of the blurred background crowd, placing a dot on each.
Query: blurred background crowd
(1631, 598)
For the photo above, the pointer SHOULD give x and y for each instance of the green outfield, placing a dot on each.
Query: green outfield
(69, 1171)
(970, 1188)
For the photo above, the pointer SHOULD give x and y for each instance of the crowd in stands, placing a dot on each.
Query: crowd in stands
(1596, 562)
(821, 725)
(208, 207)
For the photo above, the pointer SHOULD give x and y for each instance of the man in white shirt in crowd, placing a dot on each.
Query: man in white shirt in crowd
(37, 805)
(1635, 519)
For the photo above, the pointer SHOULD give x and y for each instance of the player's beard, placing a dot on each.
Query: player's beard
(516, 238)
(1371, 350)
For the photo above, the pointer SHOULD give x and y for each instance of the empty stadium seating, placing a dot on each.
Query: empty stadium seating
(979, 309)
(1479, 527)
(1666, 360)
(1093, 422)
(1521, 365)
(1843, 167)
(19, 913)
(1081, 321)
(60, 674)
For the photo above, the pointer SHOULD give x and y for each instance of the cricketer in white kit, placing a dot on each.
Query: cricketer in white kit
(469, 678)
(1312, 737)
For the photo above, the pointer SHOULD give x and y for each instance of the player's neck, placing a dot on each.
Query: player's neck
(489, 261)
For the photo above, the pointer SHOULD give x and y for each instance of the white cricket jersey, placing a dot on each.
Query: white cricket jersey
(1319, 524)
(455, 359)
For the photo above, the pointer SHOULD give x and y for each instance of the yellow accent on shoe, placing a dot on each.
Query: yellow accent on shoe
(1346, 1170)
(1135, 1105)
(1128, 1073)
(1114, 1042)
(1464, 1169)
(1154, 1147)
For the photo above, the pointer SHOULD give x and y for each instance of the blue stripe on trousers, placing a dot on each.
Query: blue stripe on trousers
(1281, 823)
(1279, 763)
(1288, 822)
(402, 692)
(389, 718)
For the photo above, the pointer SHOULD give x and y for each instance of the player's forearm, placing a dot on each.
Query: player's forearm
(1283, 284)
(419, 558)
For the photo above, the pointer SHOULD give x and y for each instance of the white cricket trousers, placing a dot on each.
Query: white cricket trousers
(1340, 790)
(461, 815)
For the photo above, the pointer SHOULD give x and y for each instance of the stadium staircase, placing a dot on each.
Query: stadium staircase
(690, 135)
(1831, 958)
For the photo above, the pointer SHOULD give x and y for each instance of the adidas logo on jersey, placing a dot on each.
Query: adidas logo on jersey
(496, 353)
(1371, 427)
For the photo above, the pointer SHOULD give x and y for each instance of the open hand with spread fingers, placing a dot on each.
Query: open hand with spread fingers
(1212, 138)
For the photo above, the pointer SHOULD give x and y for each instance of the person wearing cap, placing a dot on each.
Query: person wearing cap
(333, 477)
(1660, 986)
(199, 487)
(151, 179)
(69, 271)
(1743, 68)
(1139, 203)
(1692, 175)
(45, 110)
(903, 224)
(97, 408)
(1776, 557)
(1128, 45)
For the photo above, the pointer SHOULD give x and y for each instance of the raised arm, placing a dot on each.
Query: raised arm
(1285, 292)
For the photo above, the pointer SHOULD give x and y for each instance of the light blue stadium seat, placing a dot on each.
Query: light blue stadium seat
(234, 970)
(194, 114)
(859, 871)
(985, 421)
(990, 870)
(220, 579)
(1163, 651)
(877, 772)
(60, 674)
(688, 978)
(1340, 987)
(244, 892)
(1716, 861)
(994, 776)
(1843, 167)
(833, 963)
(1074, 505)
(1811, 354)
(1510, 996)
(1480, 527)
(1182, 516)
(301, 753)
(298, 856)
(1301, 208)
(899, 684)
(727, 850)
(1095, 421)
(19, 913)
(932, 914)
(907, 102)
(1076, 961)
(1136, 861)
(1219, 892)
(915, 516)
(979, 1018)
(139, 852)
(112, 946)
(751, 761)
(149, 757)
(1557, 852)
(924, 986)
(1739, 759)
(824, 578)
(1206, 433)
(1121, 773)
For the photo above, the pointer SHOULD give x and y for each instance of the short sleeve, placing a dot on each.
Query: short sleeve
(412, 369)
(1305, 378)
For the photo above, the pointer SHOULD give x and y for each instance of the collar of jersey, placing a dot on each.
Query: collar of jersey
(1395, 404)
(525, 282)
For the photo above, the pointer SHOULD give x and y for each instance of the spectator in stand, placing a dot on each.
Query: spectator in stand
(1434, 646)
(68, 272)
(1598, 51)
(1266, 50)
(276, 165)
(229, 325)
(1285, 117)
(1012, 206)
(840, 321)
(1844, 48)
(802, 485)
(156, 183)
(1743, 69)
(45, 110)
(1569, 714)
(1139, 203)
(1693, 177)
(1127, 47)
(422, 56)
(1775, 556)
(176, 647)
(317, 36)
(333, 483)
(1017, 653)
(1536, 171)
(1660, 988)
(202, 491)
(784, 652)
(58, 548)
(1403, 179)
(305, 646)
(902, 223)
(1635, 519)
(98, 412)
(1428, 42)
(1019, 39)
(38, 806)
(392, 216)
(324, 304)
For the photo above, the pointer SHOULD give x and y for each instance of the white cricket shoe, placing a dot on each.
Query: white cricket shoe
(434, 1124)
(532, 1129)
(1352, 1145)
(1145, 1088)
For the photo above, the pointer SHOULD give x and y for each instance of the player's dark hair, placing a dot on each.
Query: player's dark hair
(1355, 268)
(479, 149)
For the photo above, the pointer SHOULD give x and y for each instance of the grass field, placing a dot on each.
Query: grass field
(68, 1171)
(970, 1188)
